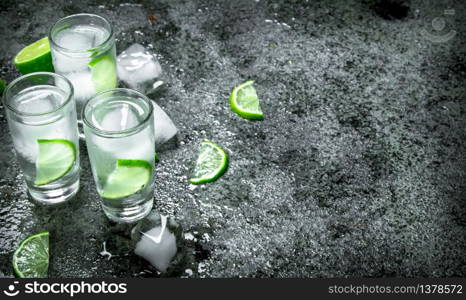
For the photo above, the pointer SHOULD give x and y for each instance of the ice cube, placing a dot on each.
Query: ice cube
(77, 38)
(83, 85)
(137, 146)
(124, 116)
(164, 127)
(120, 118)
(66, 63)
(27, 133)
(139, 68)
(25, 141)
(156, 241)
(73, 40)
(26, 136)
(97, 35)
(39, 102)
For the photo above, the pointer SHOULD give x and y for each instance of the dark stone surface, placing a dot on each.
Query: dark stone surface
(357, 170)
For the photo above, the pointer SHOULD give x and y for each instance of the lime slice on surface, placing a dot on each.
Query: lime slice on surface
(35, 57)
(56, 158)
(211, 163)
(129, 177)
(245, 103)
(103, 73)
(31, 258)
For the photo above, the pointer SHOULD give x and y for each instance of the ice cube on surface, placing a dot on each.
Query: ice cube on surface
(157, 245)
(138, 68)
(165, 129)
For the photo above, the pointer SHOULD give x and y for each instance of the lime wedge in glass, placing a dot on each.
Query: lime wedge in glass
(35, 57)
(211, 163)
(2, 86)
(245, 103)
(103, 70)
(129, 177)
(55, 159)
(31, 258)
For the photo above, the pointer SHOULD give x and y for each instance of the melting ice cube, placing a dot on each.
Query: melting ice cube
(164, 127)
(139, 68)
(157, 243)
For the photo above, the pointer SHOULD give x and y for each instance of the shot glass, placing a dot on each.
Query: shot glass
(119, 131)
(83, 50)
(42, 119)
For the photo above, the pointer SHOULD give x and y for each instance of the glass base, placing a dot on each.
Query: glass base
(128, 214)
(57, 196)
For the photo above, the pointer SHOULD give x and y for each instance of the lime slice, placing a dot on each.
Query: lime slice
(35, 57)
(129, 177)
(211, 163)
(56, 158)
(103, 70)
(245, 103)
(2, 86)
(31, 258)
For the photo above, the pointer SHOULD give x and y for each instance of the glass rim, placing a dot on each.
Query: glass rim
(107, 133)
(64, 49)
(21, 78)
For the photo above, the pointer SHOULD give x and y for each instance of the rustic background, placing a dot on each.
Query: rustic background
(357, 170)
